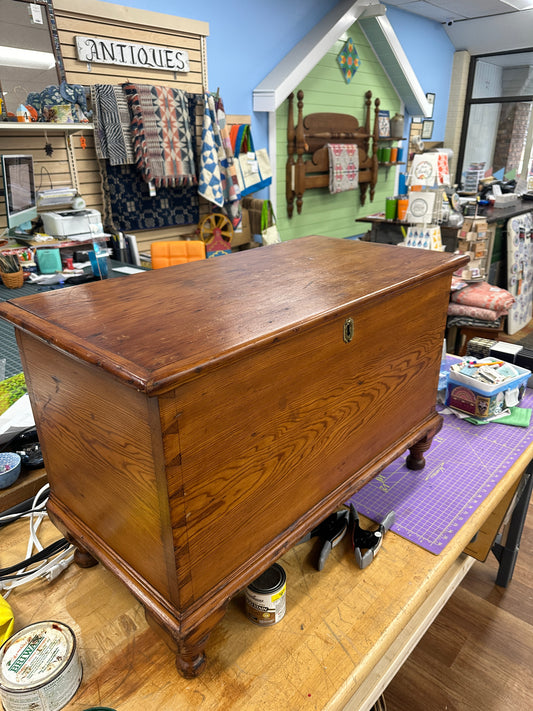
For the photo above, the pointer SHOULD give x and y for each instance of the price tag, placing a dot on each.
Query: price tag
(36, 14)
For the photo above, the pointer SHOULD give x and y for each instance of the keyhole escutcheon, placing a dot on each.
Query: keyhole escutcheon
(348, 330)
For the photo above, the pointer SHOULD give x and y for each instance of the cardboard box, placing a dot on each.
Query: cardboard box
(244, 235)
(480, 249)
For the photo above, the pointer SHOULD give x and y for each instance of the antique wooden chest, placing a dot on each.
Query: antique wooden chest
(196, 421)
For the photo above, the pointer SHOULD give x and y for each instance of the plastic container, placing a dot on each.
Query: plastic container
(483, 400)
(10, 464)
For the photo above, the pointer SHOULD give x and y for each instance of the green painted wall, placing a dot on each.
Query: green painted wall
(325, 90)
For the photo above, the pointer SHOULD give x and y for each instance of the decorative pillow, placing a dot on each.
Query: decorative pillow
(484, 295)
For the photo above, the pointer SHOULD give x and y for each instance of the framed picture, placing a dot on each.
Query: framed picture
(384, 124)
(431, 100)
(427, 129)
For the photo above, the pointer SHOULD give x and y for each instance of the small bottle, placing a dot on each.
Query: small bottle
(22, 114)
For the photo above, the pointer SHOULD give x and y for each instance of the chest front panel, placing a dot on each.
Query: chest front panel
(265, 440)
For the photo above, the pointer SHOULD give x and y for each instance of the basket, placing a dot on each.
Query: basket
(12, 280)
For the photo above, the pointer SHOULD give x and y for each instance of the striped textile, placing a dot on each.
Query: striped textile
(129, 205)
(112, 124)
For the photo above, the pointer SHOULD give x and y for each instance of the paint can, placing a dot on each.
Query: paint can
(39, 668)
(265, 597)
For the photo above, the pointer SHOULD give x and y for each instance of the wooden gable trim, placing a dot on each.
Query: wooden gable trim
(296, 65)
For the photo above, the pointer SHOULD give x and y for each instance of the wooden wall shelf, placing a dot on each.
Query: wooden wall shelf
(16, 127)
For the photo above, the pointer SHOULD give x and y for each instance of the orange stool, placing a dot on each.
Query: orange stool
(166, 254)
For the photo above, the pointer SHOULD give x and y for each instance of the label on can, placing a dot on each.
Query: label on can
(39, 668)
(265, 597)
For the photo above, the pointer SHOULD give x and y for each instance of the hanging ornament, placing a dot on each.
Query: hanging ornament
(348, 60)
(48, 149)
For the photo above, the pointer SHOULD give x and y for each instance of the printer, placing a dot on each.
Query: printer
(73, 224)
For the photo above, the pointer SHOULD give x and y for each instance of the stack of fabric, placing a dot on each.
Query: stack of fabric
(479, 305)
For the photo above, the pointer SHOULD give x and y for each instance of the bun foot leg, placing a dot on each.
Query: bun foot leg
(83, 558)
(415, 459)
(189, 648)
(190, 665)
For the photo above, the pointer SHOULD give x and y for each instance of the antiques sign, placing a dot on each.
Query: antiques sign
(91, 49)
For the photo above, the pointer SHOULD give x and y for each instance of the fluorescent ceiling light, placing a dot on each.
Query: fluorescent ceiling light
(520, 4)
(26, 58)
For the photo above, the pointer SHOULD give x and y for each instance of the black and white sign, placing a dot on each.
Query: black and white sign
(102, 51)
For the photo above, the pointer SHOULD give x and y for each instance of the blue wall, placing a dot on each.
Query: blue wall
(248, 39)
(430, 53)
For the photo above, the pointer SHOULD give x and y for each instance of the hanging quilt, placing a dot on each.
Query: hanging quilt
(132, 207)
(218, 181)
(210, 182)
(112, 125)
(343, 167)
(128, 204)
(162, 142)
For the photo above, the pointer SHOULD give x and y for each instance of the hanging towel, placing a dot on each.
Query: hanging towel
(112, 124)
(343, 167)
(162, 144)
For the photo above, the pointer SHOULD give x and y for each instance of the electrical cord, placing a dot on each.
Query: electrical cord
(56, 547)
(53, 559)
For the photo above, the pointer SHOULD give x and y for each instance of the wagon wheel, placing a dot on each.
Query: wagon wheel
(215, 225)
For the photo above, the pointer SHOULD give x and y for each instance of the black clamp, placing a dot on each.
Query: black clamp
(26, 445)
(366, 540)
(331, 531)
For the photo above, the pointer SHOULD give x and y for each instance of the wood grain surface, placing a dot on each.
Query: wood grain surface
(339, 625)
(162, 327)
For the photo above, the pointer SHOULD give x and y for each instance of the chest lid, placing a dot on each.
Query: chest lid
(156, 328)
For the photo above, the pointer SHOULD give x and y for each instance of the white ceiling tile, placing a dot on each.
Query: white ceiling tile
(430, 10)
(444, 10)
(473, 8)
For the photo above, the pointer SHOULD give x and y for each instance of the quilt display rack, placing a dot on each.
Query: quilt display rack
(310, 137)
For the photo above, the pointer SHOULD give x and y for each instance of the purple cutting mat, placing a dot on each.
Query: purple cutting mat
(463, 465)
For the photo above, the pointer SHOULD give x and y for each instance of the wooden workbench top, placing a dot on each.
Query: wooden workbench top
(336, 639)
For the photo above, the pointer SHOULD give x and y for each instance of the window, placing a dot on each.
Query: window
(497, 128)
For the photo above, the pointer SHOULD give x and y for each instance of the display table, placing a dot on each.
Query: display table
(502, 214)
(345, 634)
(393, 231)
